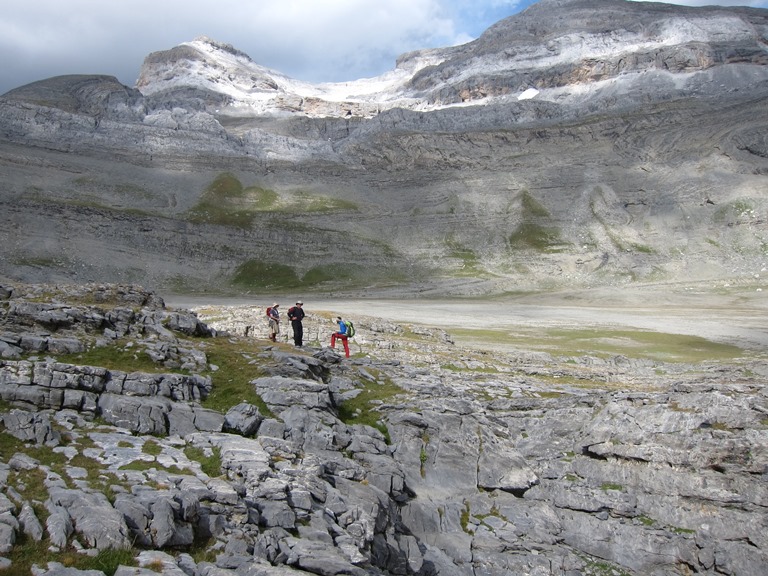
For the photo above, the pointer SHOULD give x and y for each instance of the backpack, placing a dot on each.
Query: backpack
(350, 329)
(269, 312)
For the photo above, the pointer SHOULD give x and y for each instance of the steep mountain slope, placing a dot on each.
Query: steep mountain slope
(580, 142)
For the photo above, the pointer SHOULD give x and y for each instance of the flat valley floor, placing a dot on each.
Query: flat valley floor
(736, 316)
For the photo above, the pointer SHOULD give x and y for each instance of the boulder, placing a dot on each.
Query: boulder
(31, 427)
(243, 419)
(101, 526)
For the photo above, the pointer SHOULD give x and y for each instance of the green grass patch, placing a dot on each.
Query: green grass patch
(464, 518)
(605, 486)
(535, 236)
(31, 485)
(642, 248)
(531, 207)
(210, 461)
(360, 409)
(9, 445)
(535, 231)
(26, 553)
(259, 275)
(604, 342)
(645, 344)
(732, 211)
(470, 263)
(116, 357)
(349, 274)
(227, 202)
(152, 448)
(306, 202)
(232, 381)
(204, 550)
(261, 199)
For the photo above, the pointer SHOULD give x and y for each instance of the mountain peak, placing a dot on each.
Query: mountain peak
(556, 50)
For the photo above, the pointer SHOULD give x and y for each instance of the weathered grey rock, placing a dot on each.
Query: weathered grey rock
(30, 524)
(504, 469)
(283, 393)
(7, 507)
(145, 415)
(58, 525)
(8, 350)
(93, 517)
(186, 322)
(166, 532)
(65, 346)
(7, 537)
(317, 558)
(276, 514)
(185, 419)
(31, 426)
(137, 518)
(243, 419)
(484, 472)
(58, 569)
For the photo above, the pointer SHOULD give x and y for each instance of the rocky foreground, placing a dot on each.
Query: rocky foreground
(196, 447)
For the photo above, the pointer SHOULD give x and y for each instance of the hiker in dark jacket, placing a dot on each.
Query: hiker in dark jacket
(296, 315)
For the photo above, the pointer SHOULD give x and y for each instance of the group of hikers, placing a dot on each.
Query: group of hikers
(296, 316)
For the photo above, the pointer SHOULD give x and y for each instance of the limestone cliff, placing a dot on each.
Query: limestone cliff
(580, 142)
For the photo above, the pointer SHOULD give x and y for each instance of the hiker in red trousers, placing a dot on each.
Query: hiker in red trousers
(341, 335)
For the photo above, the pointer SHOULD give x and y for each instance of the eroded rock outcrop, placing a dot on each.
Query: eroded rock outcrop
(494, 471)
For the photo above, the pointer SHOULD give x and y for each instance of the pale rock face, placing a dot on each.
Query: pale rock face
(495, 66)
(578, 143)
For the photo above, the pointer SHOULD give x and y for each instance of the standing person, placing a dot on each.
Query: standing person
(341, 334)
(296, 315)
(274, 321)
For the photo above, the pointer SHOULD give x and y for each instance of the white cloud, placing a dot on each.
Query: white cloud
(316, 41)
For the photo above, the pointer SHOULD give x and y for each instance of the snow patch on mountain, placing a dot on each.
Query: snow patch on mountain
(566, 65)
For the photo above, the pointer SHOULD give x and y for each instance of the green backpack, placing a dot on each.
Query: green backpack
(350, 329)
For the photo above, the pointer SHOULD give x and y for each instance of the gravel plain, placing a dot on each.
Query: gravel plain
(737, 316)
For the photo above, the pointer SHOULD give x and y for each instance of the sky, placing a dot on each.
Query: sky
(311, 40)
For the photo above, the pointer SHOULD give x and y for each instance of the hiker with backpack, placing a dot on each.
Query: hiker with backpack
(342, 334)
(296, 315)
(274, 321)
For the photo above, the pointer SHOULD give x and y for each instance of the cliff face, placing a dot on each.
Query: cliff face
(577, 143)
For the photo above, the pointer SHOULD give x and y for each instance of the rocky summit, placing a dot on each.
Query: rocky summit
(578, 143)
(139, 439)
